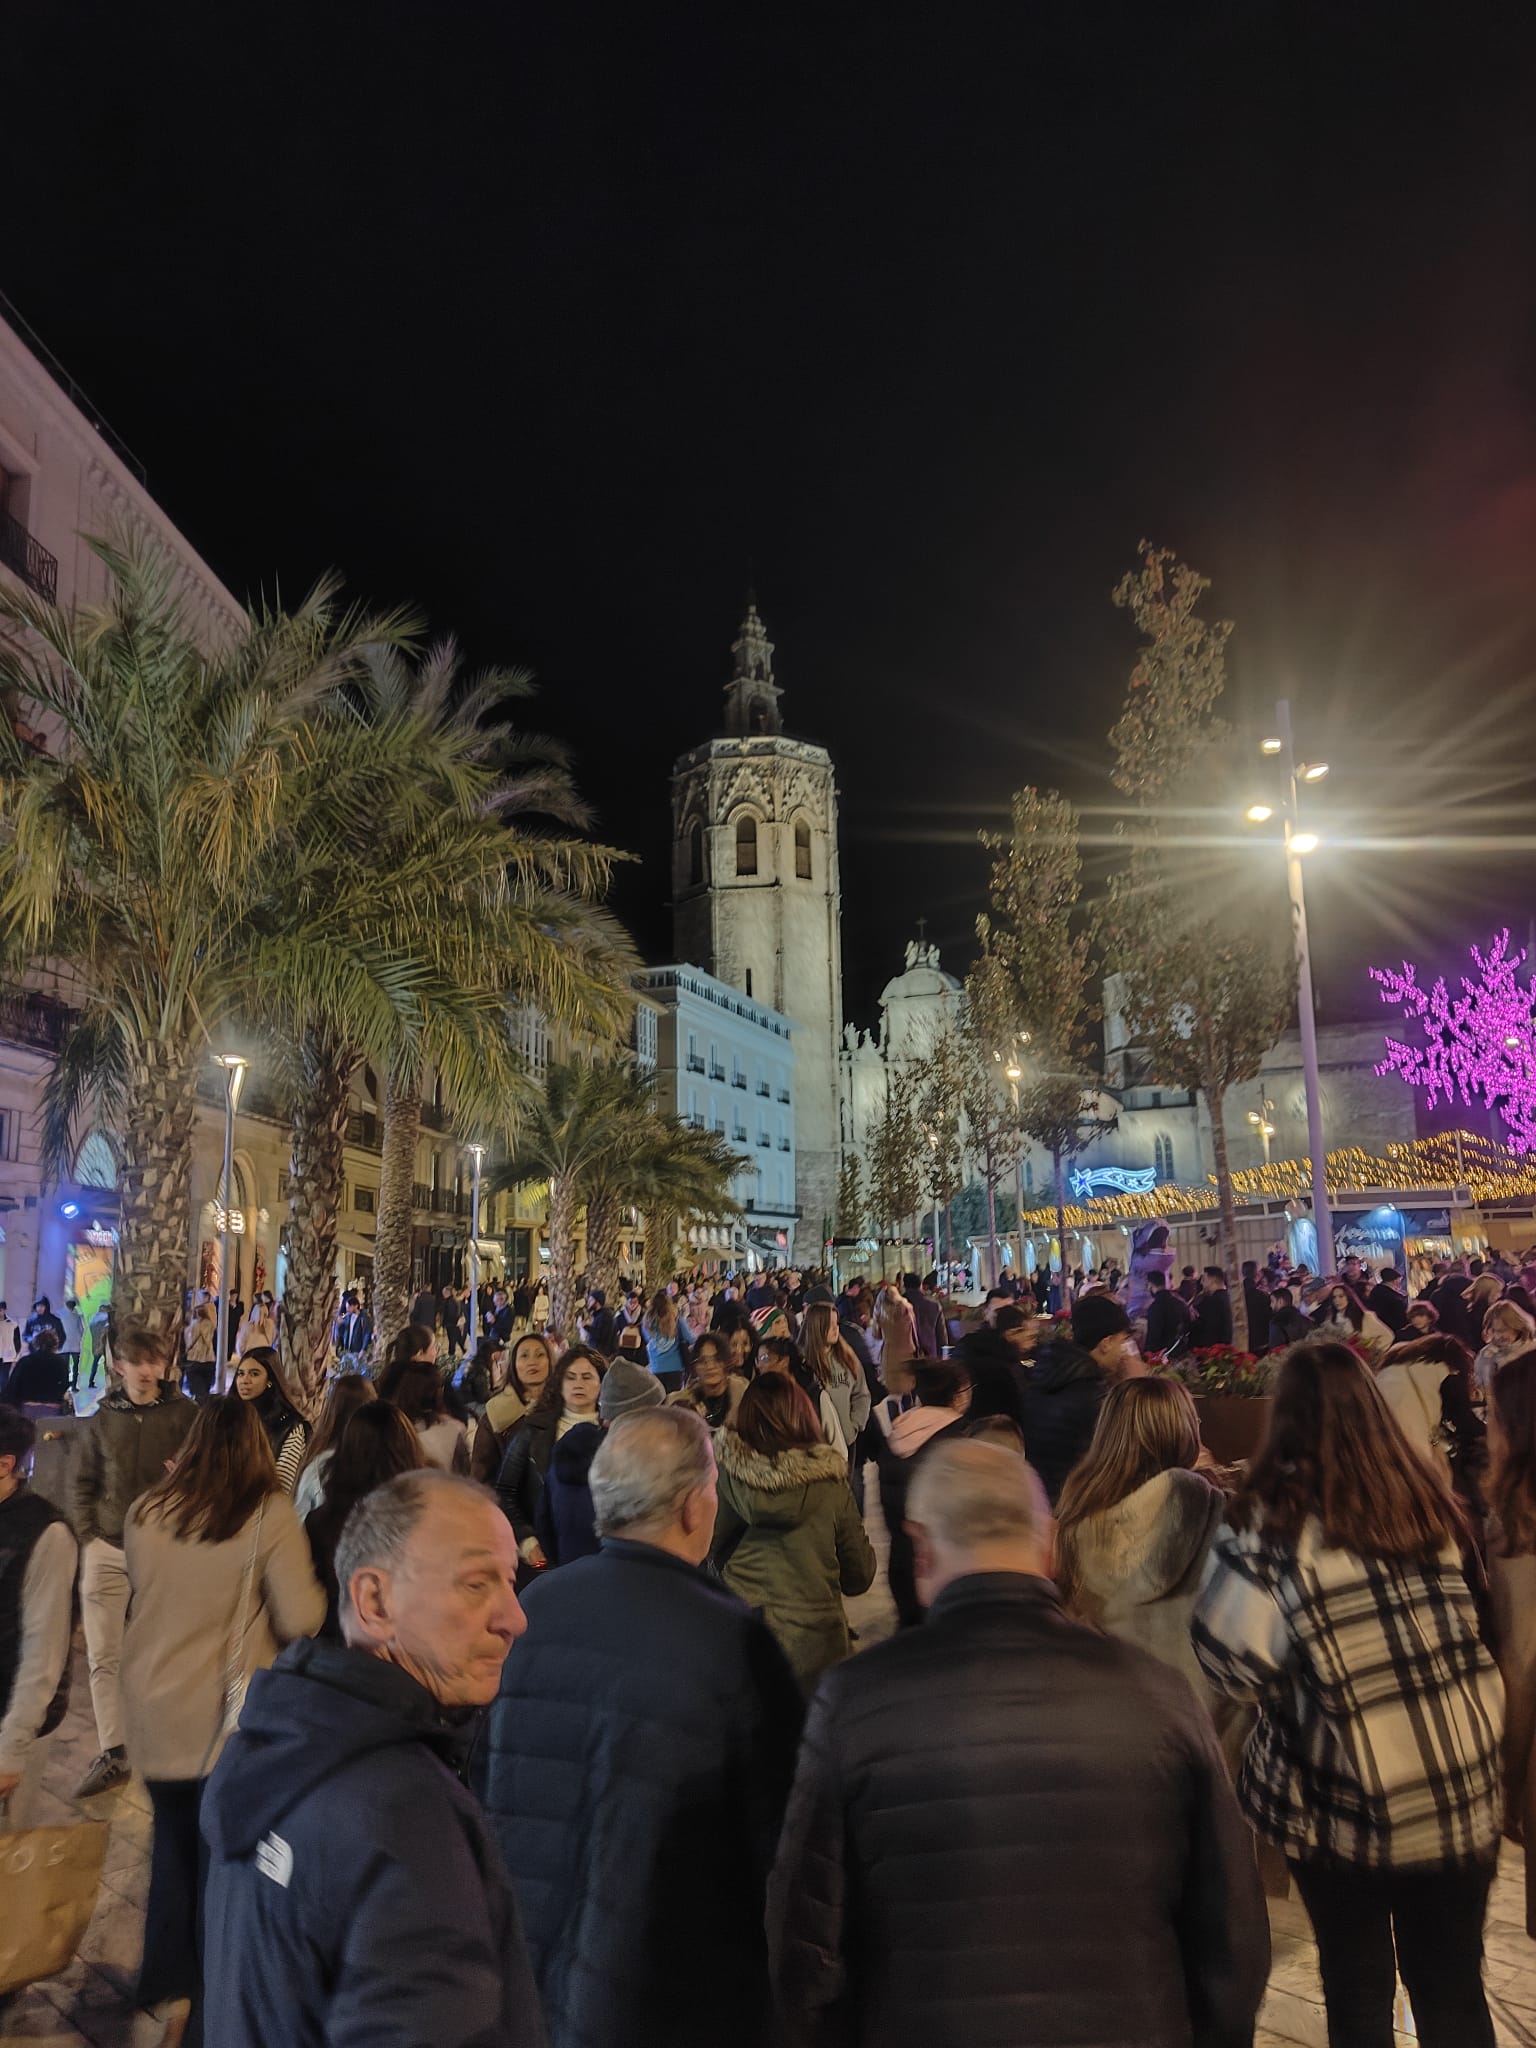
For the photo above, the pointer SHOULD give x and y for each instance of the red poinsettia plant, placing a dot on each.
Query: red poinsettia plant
(1221, 1369)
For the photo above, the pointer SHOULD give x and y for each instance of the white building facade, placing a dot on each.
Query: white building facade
(726, 1063)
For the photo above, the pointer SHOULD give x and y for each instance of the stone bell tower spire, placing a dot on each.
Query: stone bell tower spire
(752, 696)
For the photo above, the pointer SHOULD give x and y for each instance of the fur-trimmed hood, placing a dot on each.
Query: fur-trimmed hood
(772, 1490)
(1143, 1548)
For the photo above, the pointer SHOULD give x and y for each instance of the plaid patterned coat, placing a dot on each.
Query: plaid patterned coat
(1380, 1711)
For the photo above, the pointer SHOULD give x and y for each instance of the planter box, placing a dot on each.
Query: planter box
(1233, 1426)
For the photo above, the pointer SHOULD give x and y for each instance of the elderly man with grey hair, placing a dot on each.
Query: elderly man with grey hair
(354, 1891)
(636, 1763)
(1007, 1827)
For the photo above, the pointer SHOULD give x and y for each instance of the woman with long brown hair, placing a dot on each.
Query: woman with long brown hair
(1512, 1583)
(258, 1378)
(528, 1362)
(569, 1399)
(1135, 1522)
(666, 1339)
(346, 1393)
(788, 1536)
(834, 1362)
(220, 1578)
(412, 1380)
(376, 1445)
(1336, 1602)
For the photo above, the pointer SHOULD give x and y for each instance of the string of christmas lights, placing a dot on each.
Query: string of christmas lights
(1426, 1166)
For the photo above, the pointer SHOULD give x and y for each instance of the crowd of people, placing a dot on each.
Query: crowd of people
(512, 1697)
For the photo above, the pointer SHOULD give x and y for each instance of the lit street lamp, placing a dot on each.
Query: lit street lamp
(1297, 845)
(234, 1065)
(476, 1153)
(1263, 1126)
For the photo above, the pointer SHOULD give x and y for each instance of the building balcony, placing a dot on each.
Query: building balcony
(27, 1018)
(28, 558)
(739, 1133)
(716, 1072)
(695, 1064)
(764, 1141)
(764, 1090)
(364, 1128)
(783, 1095)
(786, 1145)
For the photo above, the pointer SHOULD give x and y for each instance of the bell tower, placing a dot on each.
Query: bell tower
(757, 898)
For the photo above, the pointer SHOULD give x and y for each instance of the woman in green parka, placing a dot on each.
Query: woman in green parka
(789, 1538)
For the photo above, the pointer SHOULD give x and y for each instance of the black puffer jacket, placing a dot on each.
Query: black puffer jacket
(997, 1373)
(635, 1767)
(1067, 1864)
(354, 1892)
(1063, 1391)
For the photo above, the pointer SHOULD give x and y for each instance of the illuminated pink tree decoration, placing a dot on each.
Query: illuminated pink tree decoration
(1477, 1044)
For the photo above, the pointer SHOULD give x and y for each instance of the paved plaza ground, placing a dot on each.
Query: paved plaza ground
(91, 2002)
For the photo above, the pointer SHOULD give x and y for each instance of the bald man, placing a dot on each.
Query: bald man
(1005, 1826)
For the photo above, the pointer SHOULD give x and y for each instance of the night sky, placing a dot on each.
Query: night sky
(562, 322)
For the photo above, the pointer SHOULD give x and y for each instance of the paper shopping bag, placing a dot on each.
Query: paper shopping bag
(49, 1878)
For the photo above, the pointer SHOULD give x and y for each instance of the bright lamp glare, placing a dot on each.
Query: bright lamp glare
(1257, 813)
(1304, 842)
(1314, 771)
(1269, 746)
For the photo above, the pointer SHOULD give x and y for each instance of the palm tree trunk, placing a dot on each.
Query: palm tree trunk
(319, 1175)
(1227, 1209)
(397, 1179)
(604, 1216)
(562, 1257)
(660, 1247)
(155, 1187)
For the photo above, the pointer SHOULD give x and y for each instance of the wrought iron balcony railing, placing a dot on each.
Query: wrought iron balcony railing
(29, 559)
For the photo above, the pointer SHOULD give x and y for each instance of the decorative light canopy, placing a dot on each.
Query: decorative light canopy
(1477, 1045)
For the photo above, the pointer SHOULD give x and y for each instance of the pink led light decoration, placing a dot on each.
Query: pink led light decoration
(1479, 1044)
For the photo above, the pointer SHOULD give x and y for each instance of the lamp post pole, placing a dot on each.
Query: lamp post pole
(234, 1073)
(476, 1153)
(1306, 1015)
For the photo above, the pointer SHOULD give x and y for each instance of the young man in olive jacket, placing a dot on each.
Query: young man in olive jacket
(128, 1447)
(1007, 1827)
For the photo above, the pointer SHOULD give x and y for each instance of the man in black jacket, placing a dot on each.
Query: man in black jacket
(1387, 1300)
(1068, 1381)
(354, 1890)
(1168, 1318)
(997, 1357)
(1008, 1827)
(1213, 1311)
(637, 1761)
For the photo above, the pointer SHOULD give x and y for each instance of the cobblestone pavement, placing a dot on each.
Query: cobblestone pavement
(91, 2002)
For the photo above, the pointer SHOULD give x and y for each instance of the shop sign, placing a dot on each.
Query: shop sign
(1375, 1236)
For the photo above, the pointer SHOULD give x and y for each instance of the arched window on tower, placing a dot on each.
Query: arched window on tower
(746, 844)
(696, 855)
(802, 851)
(757, 716)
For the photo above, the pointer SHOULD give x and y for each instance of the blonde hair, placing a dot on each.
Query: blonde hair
(1484, 1292)
(1145, 1427)
(1511, 1316)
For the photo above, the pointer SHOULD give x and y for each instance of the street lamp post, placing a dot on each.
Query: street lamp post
(1298, 843)
(476, 1153)
(234, 1066)
(1262, 1125)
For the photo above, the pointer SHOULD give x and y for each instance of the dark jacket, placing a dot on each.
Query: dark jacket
(520, 1482)
(1390, 1303)
(563, 1520)
(932, 1330)
(791, 1542)
(1062, 1393)
(997, 1373)
(1066, 1864)
(1168, 1321)
(1256, 1302)
(1287, 1326)
(124, 1454)
(635, 1767)
(1213, 1319)
(354, 1890)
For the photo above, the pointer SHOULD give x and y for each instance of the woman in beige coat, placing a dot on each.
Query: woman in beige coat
(219, 1577)
(1512, 1581)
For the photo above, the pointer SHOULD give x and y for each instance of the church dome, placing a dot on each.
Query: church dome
(922, 976)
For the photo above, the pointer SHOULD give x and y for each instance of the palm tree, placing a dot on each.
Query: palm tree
(509, 905)
(140, 846)
(443, 907)
(595, 1137)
